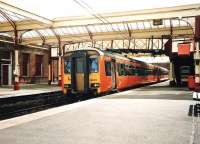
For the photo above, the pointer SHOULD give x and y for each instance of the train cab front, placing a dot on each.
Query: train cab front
(81, 73)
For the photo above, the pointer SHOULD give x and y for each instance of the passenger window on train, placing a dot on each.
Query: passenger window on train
(140, 71)
(132, 70)
(121, 69)
(108, 68)
(93, 65)
(67, 65)
(127, 70)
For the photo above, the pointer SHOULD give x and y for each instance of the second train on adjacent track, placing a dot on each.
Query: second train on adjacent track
(95, 71)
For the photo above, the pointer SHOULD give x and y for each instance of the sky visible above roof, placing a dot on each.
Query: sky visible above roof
(62, 8)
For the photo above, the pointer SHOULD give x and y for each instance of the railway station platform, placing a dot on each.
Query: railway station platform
(28, 89)
(155, 114)
(31, 97)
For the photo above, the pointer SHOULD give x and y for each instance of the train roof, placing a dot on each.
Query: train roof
(89, 48)
(119, 56)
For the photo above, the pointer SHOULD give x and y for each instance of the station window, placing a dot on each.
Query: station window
(93, 64)
(39, 65)
(25, 64)
(67, 65)
(108, 68)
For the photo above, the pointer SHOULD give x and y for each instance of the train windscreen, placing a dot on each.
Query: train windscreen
(93, 64)
(67, 66)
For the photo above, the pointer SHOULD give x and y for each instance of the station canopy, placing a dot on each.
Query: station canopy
(159, 23)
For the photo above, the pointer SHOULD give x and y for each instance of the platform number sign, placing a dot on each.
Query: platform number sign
(157, 22)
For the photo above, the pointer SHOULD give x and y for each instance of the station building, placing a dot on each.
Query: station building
(33, 63)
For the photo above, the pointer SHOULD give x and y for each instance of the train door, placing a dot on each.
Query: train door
(80, 78)
(79, 71)
(113, 73)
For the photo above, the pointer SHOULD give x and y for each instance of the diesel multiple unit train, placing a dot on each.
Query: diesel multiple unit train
(95, 71)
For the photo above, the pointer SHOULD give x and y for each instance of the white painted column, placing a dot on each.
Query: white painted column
(16, 70)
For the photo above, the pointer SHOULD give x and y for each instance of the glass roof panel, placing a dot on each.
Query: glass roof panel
(140, 25)
(175, 23)
(70, 31)
(14, 16)
(98, 29)
(5, 34)
(50, 32)
(27, 35)
(46, 32)
(120, 27)
(30, 34)
(82, 29)
(167, 23)
(133, 26)
(147, 25)
(59, 31)
(2, 19)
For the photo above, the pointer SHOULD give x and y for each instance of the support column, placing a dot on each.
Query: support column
(16, 69)
(172, 74)
(49, 67)
(197, 65)
(111, 44)
(59, 69)
(196, 52)
(61, 48)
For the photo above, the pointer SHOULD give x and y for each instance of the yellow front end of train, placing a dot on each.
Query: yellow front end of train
(81, 73)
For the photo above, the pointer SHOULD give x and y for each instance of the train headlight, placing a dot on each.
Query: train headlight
(67, 85)
(95, 85)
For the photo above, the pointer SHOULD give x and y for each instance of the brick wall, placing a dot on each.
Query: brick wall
(32, 78)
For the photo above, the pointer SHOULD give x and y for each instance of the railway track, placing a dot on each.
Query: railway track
(21, 105)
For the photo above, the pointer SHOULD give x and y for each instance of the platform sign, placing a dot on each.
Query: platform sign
(54, 52)
(157, 22)
(184, 49)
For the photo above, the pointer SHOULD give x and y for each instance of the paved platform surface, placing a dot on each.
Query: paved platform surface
(28, 89)
(154, 114)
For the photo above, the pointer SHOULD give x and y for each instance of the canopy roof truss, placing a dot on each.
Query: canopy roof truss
(177, 22)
